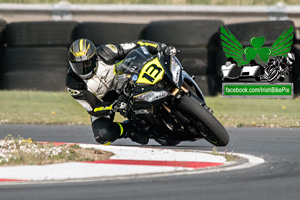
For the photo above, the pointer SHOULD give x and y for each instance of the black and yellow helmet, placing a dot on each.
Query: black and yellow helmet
(82, 58)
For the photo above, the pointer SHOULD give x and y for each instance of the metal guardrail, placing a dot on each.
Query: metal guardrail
(63, 11)
(66, 11)
(295, 9)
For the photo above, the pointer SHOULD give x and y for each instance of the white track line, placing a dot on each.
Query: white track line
(252, 162)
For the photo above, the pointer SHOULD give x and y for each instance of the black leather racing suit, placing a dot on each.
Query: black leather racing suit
(98, 93)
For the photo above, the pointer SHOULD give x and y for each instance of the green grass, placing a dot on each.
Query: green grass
(32, 107)
(20, 151)
(256, 112)
(35, 107)
(228, 156)
(201, 2)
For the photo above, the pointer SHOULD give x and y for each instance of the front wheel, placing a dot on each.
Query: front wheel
(205, 123)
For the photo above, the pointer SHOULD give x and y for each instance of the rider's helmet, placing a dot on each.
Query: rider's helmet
(82, 58)
(290, 58)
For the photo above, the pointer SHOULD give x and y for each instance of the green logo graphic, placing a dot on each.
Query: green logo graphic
(233, 48)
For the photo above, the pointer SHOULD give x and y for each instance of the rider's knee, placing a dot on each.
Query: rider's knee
(103, 129)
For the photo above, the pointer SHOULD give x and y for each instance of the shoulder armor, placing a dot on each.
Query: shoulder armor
(75, 82)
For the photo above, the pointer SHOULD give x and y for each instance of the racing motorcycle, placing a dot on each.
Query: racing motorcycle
(165, 102)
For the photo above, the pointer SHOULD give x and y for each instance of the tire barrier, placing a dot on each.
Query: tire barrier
(2, 28)
(35, 58)
(196, 39)
(36, 68)
(183, 34)
(210, 85)
(297, 86)
(198, 61)
(296, 65)
(33, 55)
(1, 68)
(47, 33)
(220, 60)
(35, 80)
(108, 33)
(297, 34)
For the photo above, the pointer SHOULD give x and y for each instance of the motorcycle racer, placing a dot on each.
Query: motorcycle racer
(92, 81)
(280, 64)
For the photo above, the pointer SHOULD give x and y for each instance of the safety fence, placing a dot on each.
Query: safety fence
(33, 55)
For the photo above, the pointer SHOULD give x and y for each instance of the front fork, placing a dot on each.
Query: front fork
(177, 95)
(177, 116)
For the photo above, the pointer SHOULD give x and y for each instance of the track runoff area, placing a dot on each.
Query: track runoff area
(127, 162)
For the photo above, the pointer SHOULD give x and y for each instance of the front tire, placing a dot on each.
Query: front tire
(211, 129)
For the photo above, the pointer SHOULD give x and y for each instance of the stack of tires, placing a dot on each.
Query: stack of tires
(270, 30)
(108, 33)
(197, 41)
(296, 66)
(35, 55)
(2, 28)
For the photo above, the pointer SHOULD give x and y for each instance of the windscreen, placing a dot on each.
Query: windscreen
(136, 58)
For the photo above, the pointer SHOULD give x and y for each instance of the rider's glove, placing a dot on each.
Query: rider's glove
(120, 104)
(167, 50)
(172, 50)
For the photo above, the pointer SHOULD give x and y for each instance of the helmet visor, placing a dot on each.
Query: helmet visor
(85, 67)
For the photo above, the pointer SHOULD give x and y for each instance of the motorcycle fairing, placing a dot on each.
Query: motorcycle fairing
(150, 94)
(188, 79)
(151, 73)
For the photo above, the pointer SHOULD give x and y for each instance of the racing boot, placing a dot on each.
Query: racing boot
(281, 78)
(164, 142)
(131, 132)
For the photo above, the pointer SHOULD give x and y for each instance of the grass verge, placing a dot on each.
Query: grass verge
(35, 107)
(20, 151)
(243, 112)
(230, 157)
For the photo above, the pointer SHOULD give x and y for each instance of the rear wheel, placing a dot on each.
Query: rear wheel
(205, 123)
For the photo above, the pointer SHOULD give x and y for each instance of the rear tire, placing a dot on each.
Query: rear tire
(213, 130)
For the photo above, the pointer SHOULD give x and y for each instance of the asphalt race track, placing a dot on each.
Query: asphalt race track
(278, 178)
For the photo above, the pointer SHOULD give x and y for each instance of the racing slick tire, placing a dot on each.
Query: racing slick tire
(213, 130)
